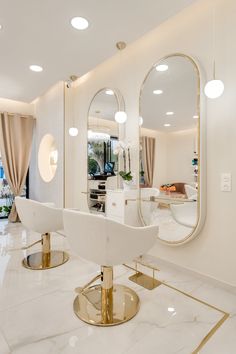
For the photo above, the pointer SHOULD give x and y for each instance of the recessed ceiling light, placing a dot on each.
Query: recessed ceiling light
(169, 113)
(0, 27)
(162, 67)
(79, 23)
(195, 117)
(36, 68)
(157, 92)
(109, 92)
(167, 125)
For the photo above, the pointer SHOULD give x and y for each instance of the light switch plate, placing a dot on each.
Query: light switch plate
(226, 182)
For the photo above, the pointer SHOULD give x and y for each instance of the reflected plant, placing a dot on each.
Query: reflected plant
(123, 150)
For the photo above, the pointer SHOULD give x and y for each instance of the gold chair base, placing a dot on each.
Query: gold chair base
(40, 260)
(88, 306)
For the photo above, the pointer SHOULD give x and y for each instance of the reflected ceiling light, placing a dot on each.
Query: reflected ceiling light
(169, 113)
(171, 309)
(0, 27)
(36, 68)
(109, 92)
(195, 117)
(79, 23)
(120, 117)
(157, 92)
(98, 135)
(214, 88)
(140, 121)
(162, 67)
(167, 125)
(73, 131)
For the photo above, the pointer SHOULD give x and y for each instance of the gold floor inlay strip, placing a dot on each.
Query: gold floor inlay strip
(217, 325)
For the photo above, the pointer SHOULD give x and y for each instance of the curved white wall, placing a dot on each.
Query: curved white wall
(213, 252)
(49, 112)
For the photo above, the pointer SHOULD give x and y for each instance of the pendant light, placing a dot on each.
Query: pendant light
(215, 87)
(73, 131)
(120, 116)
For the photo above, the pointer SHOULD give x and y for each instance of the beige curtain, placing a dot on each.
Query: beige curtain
(16, 134)
(148, 159)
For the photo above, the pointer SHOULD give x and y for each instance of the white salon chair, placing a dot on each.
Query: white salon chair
(41, 218)
(191, 192)
(185, 214)
(148, 205)
(107, 243)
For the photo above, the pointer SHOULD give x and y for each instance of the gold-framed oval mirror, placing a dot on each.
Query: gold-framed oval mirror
(103, 136)
(171, 149)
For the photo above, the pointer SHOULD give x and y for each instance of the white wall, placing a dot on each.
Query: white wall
(180, 152)
(12, 106)
(213, 251)
(49, 112)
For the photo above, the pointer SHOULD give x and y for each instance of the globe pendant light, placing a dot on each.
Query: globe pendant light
(73, 131)
(215, 87)
(120, 116)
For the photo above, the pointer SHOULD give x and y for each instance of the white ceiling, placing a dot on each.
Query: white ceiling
(180, 88)
(39, 32)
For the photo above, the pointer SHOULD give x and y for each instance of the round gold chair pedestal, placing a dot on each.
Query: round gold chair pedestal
(40, 260)
(101, 307)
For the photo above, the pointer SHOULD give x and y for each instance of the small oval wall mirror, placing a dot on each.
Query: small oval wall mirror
(103, 136)
(170, 148)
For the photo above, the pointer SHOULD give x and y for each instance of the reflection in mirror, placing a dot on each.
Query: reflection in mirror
(103, 136)
(169, 153)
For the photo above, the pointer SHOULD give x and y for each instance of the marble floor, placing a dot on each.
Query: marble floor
(36, 314)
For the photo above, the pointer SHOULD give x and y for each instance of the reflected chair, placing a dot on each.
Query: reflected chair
(107, 243)
(42, 218)
(185, 214)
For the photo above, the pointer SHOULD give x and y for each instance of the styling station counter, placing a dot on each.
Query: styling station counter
(122, 206)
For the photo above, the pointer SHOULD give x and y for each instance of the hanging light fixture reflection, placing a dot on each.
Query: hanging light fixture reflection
(120, 116)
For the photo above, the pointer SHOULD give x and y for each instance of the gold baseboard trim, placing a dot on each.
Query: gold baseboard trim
(145, 281)
(217, 325)
(214, 328)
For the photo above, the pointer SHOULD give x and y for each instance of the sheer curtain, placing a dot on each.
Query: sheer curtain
(148, 159)
(16, 133)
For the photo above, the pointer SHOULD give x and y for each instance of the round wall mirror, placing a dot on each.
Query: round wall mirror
(170, 153)
(103, 137)
(47, 158)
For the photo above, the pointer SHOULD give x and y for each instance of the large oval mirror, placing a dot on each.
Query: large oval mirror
(103, 136)
(170, 148)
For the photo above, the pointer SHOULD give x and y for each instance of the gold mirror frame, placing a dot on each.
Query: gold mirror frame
(121, 127)
(201, 151)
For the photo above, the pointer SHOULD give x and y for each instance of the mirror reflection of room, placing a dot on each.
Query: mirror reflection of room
(103, 135)
(169, 148)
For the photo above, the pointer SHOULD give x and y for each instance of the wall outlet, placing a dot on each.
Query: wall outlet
(226, 184)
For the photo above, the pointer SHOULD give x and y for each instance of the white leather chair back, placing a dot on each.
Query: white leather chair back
(39, 217)
(104, 241)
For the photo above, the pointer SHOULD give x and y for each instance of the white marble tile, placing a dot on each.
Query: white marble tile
(4, 348)
(36, 313)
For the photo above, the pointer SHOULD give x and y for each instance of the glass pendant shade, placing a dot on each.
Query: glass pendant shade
(214, 88)
(120, 117)
(73, 131)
